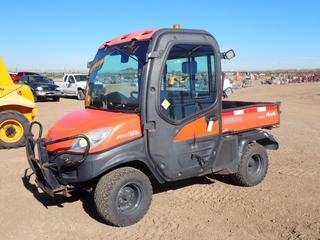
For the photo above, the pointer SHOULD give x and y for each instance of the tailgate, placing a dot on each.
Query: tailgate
(262, 115)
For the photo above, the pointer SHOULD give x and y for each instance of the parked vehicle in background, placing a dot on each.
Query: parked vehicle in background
(313, 78)
(227, 87)
(42, 87)
(247, 82)
(17, 77)
(74, 85)
(17, 109)
(13, 76)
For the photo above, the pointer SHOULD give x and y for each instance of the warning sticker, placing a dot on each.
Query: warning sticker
(165, 104)
(210, 125)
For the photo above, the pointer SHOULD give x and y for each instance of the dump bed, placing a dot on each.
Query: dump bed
(238, 116)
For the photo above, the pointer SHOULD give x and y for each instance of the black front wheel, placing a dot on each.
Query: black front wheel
(253, 165)
(123, 196)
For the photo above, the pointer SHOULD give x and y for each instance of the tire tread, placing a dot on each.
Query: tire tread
(105, 187)
(240, 177)
(11, 114)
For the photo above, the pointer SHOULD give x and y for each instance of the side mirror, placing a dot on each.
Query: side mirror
(89, 64)
(227, 92)
(228, 54)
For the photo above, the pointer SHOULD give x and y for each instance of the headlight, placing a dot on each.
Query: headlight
(58, 89)
(95, 138)
(39, 88)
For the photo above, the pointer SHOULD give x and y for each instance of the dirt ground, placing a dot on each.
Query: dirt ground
(286, 205)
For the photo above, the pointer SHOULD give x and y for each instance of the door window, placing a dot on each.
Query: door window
(71, 79)
(188, 83)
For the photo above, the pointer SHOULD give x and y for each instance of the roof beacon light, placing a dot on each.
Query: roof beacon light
(176, 26)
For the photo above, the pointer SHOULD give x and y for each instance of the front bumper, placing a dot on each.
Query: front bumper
(47, 93)
(46, 165)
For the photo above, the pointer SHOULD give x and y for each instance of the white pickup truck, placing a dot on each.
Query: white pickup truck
(73, 85)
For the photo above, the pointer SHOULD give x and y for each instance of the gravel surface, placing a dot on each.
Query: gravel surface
(285, 205)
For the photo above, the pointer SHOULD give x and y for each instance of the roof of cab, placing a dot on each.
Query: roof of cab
(138, 35)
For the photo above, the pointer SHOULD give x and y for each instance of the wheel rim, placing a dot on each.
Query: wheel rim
(129, 198)
(255, 164)
(80, 95)
(11, 131)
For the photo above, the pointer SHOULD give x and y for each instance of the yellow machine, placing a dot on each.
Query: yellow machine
(17, 109)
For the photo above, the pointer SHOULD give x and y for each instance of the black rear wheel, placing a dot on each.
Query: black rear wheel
(253, 165)
(123, 196)
(80, 94)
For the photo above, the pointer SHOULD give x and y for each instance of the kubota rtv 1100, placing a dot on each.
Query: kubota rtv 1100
(153, 109)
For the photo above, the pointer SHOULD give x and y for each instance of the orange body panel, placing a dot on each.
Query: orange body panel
(195, 129)
(238, 120)
(249, 118)
(125, 127)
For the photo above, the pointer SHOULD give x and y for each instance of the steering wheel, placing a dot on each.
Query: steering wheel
(134, 93)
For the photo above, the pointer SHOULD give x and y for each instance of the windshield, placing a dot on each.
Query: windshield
(81, 78)
(38, 79)
(115, 76)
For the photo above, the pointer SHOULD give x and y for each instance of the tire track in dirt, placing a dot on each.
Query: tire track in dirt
(300, 172)
(284, 206)
(159, 223)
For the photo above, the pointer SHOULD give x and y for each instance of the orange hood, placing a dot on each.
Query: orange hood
(124, 127)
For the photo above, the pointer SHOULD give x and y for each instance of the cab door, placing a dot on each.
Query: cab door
(71, 86)
(64, 84)
(184, 109)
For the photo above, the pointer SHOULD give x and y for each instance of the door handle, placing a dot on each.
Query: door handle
(210, 122)
(211, 118)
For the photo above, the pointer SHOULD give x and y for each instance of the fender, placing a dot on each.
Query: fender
(259, 136)
(128, 154)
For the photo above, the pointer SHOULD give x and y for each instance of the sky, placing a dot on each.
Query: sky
(65, 35)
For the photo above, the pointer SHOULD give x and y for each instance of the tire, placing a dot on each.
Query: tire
(56, 99)
(36, 99)
(253, 166)
(80, 94)
(112, 193)
(12, 128)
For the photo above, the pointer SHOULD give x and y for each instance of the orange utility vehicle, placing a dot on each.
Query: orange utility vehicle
(153, 110)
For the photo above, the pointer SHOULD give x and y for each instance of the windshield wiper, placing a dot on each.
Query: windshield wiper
(117, 108)
(123, 106)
